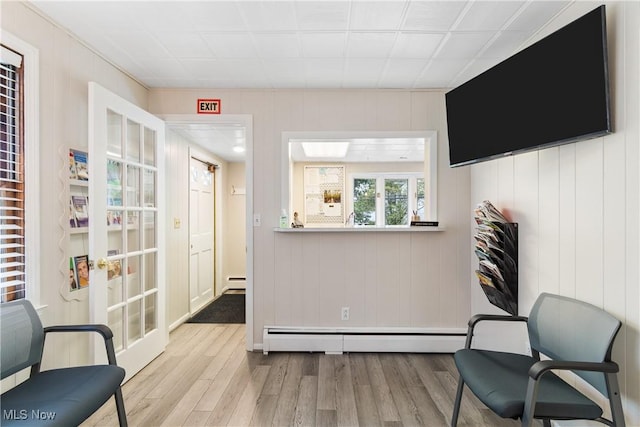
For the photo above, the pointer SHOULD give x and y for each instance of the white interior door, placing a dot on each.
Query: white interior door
(201, 234)
(126, 235)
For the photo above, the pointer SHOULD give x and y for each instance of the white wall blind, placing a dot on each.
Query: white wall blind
(12, 246)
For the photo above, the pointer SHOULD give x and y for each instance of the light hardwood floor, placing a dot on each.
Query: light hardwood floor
(206, 377)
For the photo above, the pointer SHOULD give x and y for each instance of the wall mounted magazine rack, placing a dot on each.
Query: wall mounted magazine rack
(497, 251)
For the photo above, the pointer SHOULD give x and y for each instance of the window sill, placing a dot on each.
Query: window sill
(358, 229)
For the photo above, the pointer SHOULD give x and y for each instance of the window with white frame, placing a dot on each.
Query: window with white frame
(384, 200)
(19, 228)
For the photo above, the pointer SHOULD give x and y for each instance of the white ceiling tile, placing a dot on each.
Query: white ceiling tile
(164, 68)
(138, 43)
(536, 15)
(440, 73)
(288, 73)
(162, 16)
(230, 45)
(205, 69)
(488, 15)
(472, 70)
(279, 45)
(323, 45)
(247, 72)
(214, 15)
(363, 72)
(416, 45)
(504, 46)
(377, 15)
(463, 45)
(370, 45)
(183, 44)
(335, 43)
(269, 15)
(322, 15)
(432, 15)
(325, 71)
(397, 73)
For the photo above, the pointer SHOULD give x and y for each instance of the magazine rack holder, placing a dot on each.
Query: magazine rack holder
(500, 265)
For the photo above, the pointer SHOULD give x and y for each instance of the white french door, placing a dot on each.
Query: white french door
(201, 234)
(126, 235)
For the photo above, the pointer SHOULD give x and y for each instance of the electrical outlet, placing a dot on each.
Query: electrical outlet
(345, 313)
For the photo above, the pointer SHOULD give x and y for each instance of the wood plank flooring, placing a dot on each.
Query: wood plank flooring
(207, 378)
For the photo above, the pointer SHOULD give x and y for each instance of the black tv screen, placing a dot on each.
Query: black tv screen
(553, 92)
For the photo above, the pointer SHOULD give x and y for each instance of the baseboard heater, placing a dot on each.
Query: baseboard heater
(341, 340)
(236, 282)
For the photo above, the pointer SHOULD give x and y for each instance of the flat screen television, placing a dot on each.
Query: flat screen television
(553, 92)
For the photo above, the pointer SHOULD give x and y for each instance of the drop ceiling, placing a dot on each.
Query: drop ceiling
(344, 44)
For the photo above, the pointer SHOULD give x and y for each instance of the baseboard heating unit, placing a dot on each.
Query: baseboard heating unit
(341, 340)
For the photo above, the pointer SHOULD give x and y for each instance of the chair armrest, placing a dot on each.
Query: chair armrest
(495, 317)
(540, 368)
(489, 317)
(103, 330)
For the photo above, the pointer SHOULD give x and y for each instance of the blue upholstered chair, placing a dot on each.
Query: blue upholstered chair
(56, 397)
(574, 336)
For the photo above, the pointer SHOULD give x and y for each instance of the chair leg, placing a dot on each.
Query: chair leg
(122, 414)
(546, 423)
(615, 403)
(456, 405)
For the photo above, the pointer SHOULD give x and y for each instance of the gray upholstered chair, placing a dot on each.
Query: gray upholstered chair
(56, 397)
(574, 336)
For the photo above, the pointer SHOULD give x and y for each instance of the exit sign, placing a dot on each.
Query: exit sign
(208, 106)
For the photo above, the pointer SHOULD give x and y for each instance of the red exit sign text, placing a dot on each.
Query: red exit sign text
(208, 106)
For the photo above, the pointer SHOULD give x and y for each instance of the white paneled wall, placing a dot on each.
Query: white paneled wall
(395, 279)
(577, 209)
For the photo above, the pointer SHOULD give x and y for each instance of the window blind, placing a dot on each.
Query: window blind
(12, 245)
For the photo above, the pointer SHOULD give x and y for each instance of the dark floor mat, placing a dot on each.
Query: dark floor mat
(228, 308)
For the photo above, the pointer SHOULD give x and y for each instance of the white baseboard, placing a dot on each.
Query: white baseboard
(339, 340)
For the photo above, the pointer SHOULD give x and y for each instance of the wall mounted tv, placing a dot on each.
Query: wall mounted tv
(553, 92)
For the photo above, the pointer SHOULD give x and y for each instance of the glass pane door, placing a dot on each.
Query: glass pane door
(128, 294)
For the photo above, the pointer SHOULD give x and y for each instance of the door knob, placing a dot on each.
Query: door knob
(102, 263)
